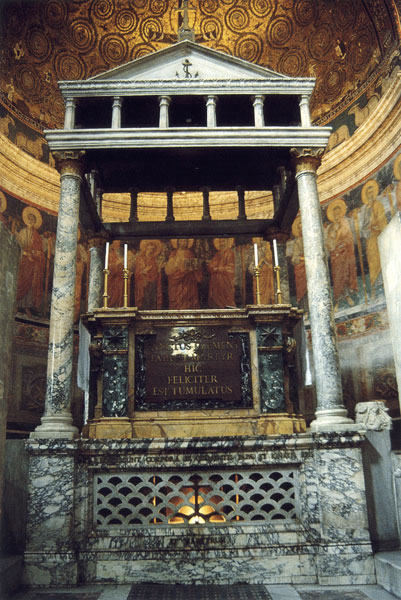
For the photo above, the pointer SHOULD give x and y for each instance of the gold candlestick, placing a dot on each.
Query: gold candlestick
(106, 281)
(125, 277)
(256, 273)
(278, 290)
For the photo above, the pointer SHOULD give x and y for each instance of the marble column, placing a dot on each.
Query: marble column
(57, 418)
(211, 111)
(69, 118)
(330, 408)
(258, 103)
(116, 113)
(164, 103)
(96, 243)
(305, 111)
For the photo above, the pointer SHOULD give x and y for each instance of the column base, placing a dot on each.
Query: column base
(332, 419)
(56, 427)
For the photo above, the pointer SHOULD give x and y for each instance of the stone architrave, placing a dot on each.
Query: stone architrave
(390, 258)
(330, 408)
(57, 418)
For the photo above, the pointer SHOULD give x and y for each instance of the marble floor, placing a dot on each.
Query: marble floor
(185, 592)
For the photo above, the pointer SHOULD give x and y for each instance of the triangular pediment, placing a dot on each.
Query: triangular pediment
(191, 61)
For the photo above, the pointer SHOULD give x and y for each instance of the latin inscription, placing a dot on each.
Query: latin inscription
(192, 368)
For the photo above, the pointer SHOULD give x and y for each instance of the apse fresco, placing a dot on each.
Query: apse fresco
(22, 132)
(190, 273)
(352, 224)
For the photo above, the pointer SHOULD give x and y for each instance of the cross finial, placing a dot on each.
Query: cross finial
(185, 32)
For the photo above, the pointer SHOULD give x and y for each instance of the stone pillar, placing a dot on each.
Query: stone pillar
(9, 259)
(305, 112)
(57, 419)
(164, 103)
(116, 114)
(69, 118)
(330, 408)
(258, 102)
(96, 243)
(211, 111)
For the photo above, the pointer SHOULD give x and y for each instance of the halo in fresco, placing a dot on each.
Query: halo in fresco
(174, 243)
(295, 225)
(397, 167)
(229, 242)
(338, 203)
(372, 183)
(157, 245)
(31, 210)
(3, 202)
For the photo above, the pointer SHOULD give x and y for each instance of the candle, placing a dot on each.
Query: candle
(275, 253)
(125, 255)
(106, 258)
(255, 249)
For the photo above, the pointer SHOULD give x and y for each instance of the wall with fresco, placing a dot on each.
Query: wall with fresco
(352, 224)
(218, 273)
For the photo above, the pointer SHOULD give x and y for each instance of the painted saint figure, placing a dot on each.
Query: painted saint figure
(266, 276)
(184, 273)
(373, 221)
(115, 288)
(340, 245)
(221, 269)
(148, 289)
(296, 254)
(31, 270)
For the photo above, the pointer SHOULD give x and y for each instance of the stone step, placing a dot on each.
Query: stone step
(388, 571)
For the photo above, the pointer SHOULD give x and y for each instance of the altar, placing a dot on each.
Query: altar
(194, 464)
(194, 373)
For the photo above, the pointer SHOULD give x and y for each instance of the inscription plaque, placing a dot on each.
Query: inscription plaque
(189, 368)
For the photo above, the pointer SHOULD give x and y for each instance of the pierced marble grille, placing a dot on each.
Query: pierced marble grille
(170, 498)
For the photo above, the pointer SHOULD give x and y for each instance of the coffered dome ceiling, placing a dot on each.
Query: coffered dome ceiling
(345, 44)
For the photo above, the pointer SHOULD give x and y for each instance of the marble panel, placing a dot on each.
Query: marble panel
(328, 540)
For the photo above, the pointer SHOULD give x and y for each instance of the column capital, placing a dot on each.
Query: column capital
(164, 99)
(258, 99)
(306, 159)
(70, 162)
(97, 239)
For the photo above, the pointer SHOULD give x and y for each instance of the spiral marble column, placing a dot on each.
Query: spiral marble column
(96, 243)
(330, 408)
(57, 418)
